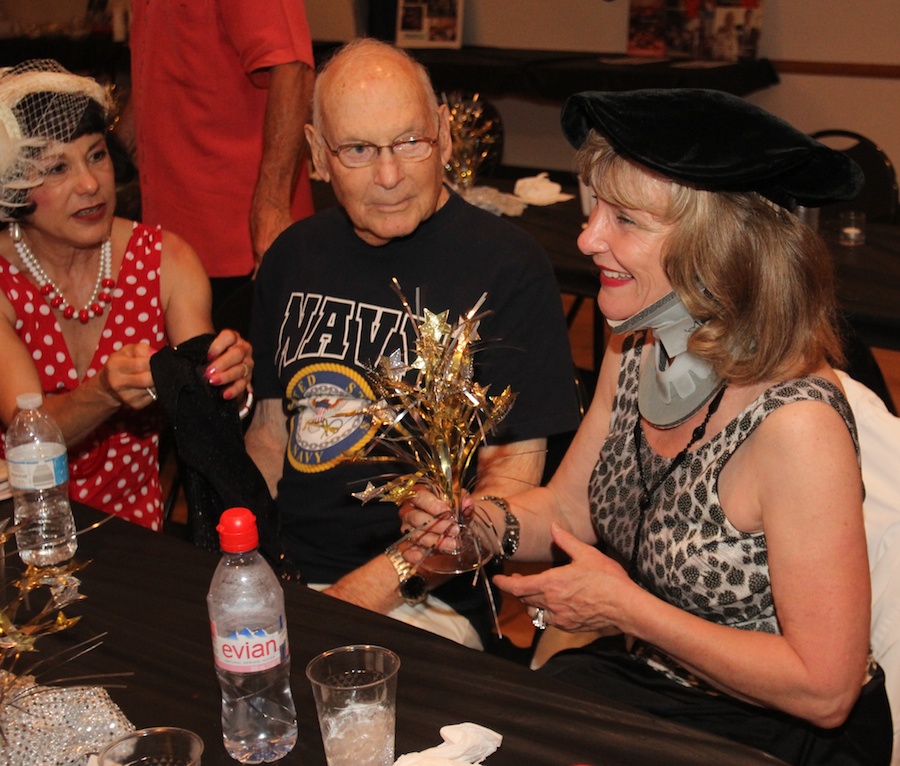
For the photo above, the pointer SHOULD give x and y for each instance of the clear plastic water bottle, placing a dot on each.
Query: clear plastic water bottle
(39, 479)
(250, 643)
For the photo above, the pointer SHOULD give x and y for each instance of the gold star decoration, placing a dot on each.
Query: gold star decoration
(431, 425)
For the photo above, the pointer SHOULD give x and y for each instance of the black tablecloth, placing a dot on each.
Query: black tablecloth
(555, 75)
(146, 592)
(549, 75)
(868, 282)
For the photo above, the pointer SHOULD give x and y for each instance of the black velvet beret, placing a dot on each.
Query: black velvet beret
(716, 141)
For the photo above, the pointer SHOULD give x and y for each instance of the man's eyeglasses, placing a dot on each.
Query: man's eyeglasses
(413, 149)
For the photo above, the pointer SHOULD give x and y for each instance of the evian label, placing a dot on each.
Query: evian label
(250, 651)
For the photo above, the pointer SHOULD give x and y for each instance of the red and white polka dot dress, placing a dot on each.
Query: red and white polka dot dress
(116, 469)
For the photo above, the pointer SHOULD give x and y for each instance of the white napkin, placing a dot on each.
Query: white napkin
(494, 201)
(464, 743)
(539, 190)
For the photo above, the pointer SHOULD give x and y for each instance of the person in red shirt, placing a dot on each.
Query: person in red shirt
(221, 91)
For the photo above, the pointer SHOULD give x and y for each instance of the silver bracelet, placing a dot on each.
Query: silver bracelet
(248, 404)
(510, 542)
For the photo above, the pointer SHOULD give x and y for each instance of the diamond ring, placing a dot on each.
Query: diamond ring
(538, 619)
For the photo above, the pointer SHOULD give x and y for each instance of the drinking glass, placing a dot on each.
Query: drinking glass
(355, 691)
(809, 216)
(852, 228)
(159, 746)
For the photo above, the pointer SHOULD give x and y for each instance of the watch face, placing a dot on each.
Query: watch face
(414, 589)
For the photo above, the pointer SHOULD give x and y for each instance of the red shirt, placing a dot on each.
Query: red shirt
(199, 99)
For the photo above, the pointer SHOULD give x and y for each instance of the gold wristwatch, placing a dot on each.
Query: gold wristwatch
(413, 587)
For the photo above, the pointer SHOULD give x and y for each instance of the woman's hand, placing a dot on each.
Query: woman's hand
(126, 376)
(589, 593)
(230, 364)
(429, 522)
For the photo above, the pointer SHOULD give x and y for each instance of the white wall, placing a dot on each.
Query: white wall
(551, 25)
(333, 20)
(836, 31)
(811, 103)
(43, 11)
(821, 31)
(832, 30)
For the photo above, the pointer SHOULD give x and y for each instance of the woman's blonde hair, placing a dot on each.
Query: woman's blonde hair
(760, 280)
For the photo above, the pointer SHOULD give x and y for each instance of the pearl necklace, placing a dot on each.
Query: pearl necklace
(100, 297)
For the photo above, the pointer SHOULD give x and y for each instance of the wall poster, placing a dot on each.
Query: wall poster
(429, 23)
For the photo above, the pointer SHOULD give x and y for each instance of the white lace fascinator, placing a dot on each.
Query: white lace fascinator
(41, 103)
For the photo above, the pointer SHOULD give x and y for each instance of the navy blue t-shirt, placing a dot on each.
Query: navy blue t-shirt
(325, 308)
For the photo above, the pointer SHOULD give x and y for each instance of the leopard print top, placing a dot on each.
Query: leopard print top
(689, 554)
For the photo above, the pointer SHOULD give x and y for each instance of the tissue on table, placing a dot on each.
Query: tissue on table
(494, 201)
(540, 190)
(464, 743)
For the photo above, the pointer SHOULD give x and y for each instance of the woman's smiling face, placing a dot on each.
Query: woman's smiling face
(627, 244)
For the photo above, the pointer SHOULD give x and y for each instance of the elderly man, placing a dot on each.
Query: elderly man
(324, 308)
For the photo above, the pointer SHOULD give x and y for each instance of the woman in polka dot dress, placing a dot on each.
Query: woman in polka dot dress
(87, 298)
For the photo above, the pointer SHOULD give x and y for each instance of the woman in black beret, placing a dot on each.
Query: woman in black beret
(710, 506)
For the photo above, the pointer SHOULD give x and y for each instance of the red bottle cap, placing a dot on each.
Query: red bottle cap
(237, 530)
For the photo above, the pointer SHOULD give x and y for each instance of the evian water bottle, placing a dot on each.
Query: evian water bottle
(250, 643)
